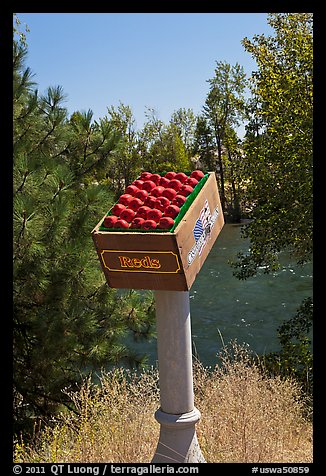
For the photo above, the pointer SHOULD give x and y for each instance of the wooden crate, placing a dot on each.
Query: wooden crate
(163, 261)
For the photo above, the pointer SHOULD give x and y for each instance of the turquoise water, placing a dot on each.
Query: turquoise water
(250, 311)
(224, 308)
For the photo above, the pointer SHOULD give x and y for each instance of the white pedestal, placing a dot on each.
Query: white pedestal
(177, 414)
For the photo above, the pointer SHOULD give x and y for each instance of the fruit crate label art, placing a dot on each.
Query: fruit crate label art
(165, 262)
(202, 231)
(167, 256)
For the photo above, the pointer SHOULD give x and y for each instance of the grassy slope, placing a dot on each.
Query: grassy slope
(246, 417)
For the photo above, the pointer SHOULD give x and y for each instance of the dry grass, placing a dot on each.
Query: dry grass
(246, 417)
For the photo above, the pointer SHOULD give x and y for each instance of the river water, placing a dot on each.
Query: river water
(224, 309)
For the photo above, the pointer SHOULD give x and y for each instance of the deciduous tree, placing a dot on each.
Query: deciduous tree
(278, 145)
(162, 146)
(223, 108)
(125, 163)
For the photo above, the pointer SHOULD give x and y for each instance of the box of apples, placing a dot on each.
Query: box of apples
(154, 202)
(160, 231)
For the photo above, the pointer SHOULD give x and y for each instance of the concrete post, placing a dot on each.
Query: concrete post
(177, 414)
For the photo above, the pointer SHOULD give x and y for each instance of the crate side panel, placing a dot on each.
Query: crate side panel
(153, 282)
(199, 229)
(135, 241)
(140, 261)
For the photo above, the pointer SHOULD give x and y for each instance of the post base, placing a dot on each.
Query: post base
(178, 440)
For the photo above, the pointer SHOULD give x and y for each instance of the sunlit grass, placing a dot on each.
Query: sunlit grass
(246, 417)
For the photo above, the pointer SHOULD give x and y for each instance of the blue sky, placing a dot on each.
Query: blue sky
(156, 60)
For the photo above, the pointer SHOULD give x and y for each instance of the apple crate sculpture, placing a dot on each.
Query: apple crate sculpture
(164, 252)
(162, 259)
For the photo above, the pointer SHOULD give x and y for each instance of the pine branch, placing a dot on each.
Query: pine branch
(22, 135)
(19, 189)
(45, 396)
(21, 233)
(60, 187)
(44, 138)
(66, 149)
(96, 148)
(89, 168)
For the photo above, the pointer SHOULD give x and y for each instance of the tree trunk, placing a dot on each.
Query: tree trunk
(221, 174)
(235, 204)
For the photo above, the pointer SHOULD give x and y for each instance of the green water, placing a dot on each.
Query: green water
(224, 308)
(250, 311)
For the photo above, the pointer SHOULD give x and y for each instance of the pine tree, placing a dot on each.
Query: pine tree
(66, 319)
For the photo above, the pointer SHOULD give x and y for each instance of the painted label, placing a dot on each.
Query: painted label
(202, 231)
(140, 261)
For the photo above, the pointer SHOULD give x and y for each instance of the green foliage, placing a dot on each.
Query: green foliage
(203, 144)
(124, 164)
(277, 170)
(235, 183)
(295, 357)
(224, 107)
(162, 147)
(278, 145)
(66, 319)
(225, 100)
(185, 122)
(91, 146)
(19, 35)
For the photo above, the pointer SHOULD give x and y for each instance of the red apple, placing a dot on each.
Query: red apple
(155, 178)
(154, 214)
(175, 184)
(191, 181)
(109, 221)
(132, 189)
(169, 193)
(170, 175)
(179, 200)
(162, 203)
(164, 181)
(137, 222)
(166, 223)
(197, 174)
(145, 175)
(127, 214)
(138, 183)
(125, 199)
(150, 201)
(171, 211)
(149, 225)
(142, 194)
(117, 209)
(148, 185)
(185, 190)
(181, 176)
(157, 191)
(135, 203)
(121, 224)
(142, 212)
